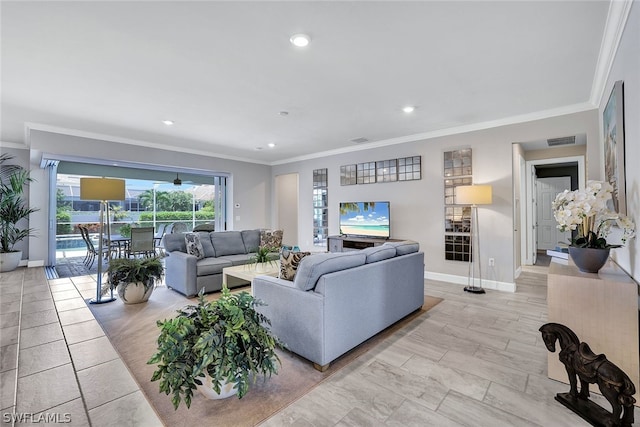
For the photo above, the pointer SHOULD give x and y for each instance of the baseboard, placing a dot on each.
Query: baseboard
(36, 263)
(463, 280)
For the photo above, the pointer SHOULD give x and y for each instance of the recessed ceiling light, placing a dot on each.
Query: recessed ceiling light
(168, 122)
(283, 113)
(409, 109)
(271, 145)
(300, 40)
(258, 148)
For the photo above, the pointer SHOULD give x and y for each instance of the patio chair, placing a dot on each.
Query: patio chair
(162, 228)
(142, 242)
(92, 252)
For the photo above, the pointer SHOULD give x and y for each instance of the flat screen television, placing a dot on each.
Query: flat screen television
(367, 219)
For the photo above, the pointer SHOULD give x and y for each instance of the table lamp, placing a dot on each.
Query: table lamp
(102, 189)
(474, 195)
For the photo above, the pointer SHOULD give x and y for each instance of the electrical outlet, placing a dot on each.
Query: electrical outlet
(492, 262)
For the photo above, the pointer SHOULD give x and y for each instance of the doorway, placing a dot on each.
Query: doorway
(287, 207)
(547, 168)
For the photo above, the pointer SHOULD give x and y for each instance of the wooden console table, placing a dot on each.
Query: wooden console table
(351, 243)
(602, 309)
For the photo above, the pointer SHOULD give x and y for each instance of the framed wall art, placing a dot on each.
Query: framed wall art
(613, 126)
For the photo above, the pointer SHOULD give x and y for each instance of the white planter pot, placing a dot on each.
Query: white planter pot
(134, 293)
(9, 261)
(226, 389)
(261, 267)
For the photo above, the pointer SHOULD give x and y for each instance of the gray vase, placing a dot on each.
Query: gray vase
(589, 260)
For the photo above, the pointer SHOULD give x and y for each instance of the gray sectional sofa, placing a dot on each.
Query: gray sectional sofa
(187, 274)
(338, 300)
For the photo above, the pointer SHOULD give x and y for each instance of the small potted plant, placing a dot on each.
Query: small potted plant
(13, 209)
(261, 257)
(218, 347)
(134, 278)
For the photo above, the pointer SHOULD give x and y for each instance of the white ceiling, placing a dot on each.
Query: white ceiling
(224, 70)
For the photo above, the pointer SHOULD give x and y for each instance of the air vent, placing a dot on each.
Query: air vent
(360, 140)
(566, 140)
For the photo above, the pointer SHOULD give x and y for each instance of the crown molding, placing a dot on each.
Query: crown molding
(29, 126)
(539, 115)
(16, 145)
(613, 30)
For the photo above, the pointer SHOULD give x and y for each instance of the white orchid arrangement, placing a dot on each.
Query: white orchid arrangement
(586, 210)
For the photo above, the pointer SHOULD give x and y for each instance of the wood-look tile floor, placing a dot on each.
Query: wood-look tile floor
(473, 360)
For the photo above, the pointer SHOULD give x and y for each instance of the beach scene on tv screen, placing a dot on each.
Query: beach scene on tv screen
(365, 219)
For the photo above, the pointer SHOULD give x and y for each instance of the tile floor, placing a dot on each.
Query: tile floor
(56, 360)
(474, 360)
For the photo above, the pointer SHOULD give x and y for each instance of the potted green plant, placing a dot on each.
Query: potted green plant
(219, 347)
(13, 209)
(134, 278)
(261, 257)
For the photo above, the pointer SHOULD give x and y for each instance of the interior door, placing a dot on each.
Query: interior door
(547, 232)
(534, 222)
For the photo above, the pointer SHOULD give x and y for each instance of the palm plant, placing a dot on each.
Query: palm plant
(13, 179)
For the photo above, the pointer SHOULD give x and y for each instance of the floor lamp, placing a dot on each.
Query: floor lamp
(102, 189)
(474, 195)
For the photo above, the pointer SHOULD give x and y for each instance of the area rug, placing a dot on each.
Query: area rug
(133, 332)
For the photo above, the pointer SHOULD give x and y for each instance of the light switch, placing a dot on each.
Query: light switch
(238, 218)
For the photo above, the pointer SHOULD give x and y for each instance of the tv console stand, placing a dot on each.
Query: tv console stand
(354, 243)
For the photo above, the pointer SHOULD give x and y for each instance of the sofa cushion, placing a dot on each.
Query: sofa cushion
(405, 247)
(193, 245)
(251, 239)
(271, 238)
(205, 239)
(208, 266)
(239, 259)
(174, 242)
(289, 262)
(378, 253)
(313, 267)
(227, 243)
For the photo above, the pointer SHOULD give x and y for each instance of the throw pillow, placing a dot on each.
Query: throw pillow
(194, 245)
(271, 238)
(289, 262)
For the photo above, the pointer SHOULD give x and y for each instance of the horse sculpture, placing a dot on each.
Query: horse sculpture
(582, 363)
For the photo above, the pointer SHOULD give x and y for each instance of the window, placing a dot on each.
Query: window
(147, 203)
(320, 207)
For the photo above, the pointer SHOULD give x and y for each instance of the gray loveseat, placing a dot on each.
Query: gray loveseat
(338, 300)
(187, 274)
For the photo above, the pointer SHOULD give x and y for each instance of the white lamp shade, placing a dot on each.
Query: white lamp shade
(101, 189)
(473, 195)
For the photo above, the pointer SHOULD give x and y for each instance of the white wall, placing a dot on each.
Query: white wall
(417, 207)
(626, 67)
(250, 183)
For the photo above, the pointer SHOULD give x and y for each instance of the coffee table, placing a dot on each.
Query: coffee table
(247, 272)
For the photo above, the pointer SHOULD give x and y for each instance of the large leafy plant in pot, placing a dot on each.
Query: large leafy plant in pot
(134, 278)
(225, 339)
(13, 209)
